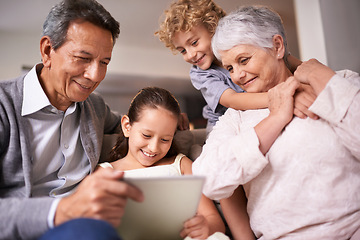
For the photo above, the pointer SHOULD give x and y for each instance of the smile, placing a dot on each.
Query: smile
(148, 154)
(83, 86)
(197, 61)
(249, 81)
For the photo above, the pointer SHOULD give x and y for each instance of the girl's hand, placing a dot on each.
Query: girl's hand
(304, 98)
(196, 227)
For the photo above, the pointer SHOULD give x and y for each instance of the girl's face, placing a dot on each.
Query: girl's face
(195, 46)
(150, 138)
(252, 68)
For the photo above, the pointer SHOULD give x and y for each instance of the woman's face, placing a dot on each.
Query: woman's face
(252, 68)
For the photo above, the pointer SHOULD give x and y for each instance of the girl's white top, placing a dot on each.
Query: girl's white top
(155, 171)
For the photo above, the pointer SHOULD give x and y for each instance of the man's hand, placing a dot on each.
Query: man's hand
(101, 195)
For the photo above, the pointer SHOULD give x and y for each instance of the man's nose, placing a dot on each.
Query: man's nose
(93, 72)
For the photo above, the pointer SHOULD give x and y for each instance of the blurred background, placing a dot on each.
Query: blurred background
(328, 30)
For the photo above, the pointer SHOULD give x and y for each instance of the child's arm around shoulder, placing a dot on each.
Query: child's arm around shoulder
(208, 220)
(304, 97)
(244, 100)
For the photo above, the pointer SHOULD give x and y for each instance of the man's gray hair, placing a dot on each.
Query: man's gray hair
(61, 15)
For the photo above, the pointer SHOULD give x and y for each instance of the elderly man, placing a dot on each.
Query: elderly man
(52, 127)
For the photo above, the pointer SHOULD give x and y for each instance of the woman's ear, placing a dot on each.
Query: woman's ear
(278, 43)
(125, 125)
(45, 50)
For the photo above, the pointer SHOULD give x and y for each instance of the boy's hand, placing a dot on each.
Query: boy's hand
(303, 99)
(314, 73)
(196, 228)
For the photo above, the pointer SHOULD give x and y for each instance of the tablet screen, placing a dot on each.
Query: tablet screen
(168, 203)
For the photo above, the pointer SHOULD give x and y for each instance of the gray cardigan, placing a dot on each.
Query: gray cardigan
(21, 216)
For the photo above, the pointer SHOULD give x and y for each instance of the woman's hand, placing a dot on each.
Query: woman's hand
(196, 228)
(281, 106)
(281, 100)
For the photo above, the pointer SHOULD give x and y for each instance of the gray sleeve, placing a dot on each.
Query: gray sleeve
(111, 119)
(211, 84)
(24, 218)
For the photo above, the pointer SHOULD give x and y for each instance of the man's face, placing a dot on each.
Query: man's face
(79, 65)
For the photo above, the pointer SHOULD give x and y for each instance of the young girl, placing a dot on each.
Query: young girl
(146, 149)
(188, 28)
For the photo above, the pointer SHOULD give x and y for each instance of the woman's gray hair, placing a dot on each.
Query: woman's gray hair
(254, 25)
(61, 15)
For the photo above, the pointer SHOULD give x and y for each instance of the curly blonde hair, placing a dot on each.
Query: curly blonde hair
(183, 15)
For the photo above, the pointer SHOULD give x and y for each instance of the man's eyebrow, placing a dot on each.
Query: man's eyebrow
(87, 53)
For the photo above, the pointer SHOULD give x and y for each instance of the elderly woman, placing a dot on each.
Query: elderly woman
(301, 176)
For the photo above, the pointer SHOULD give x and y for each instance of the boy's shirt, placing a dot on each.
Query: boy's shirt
(212, 83)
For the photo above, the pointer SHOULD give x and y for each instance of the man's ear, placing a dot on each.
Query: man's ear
(125, 125)
(278, 43)
(45, 50)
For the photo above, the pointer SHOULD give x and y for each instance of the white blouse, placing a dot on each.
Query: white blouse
(153, 171)
(308, 184)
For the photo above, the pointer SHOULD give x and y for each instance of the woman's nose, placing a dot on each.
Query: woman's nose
(238, 75)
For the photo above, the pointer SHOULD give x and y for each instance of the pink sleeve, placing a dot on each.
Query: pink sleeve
(230, 157)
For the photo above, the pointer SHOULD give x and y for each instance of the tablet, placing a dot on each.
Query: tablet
(168, 203)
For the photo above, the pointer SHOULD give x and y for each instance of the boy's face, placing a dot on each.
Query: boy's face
(195, 46)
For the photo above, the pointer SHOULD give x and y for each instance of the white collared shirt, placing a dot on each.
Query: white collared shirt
(58, 158)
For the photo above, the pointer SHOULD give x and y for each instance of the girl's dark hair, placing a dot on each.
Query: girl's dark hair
(149, 97)
(61, 15)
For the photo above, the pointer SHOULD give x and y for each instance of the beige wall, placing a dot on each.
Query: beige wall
(329, 31)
